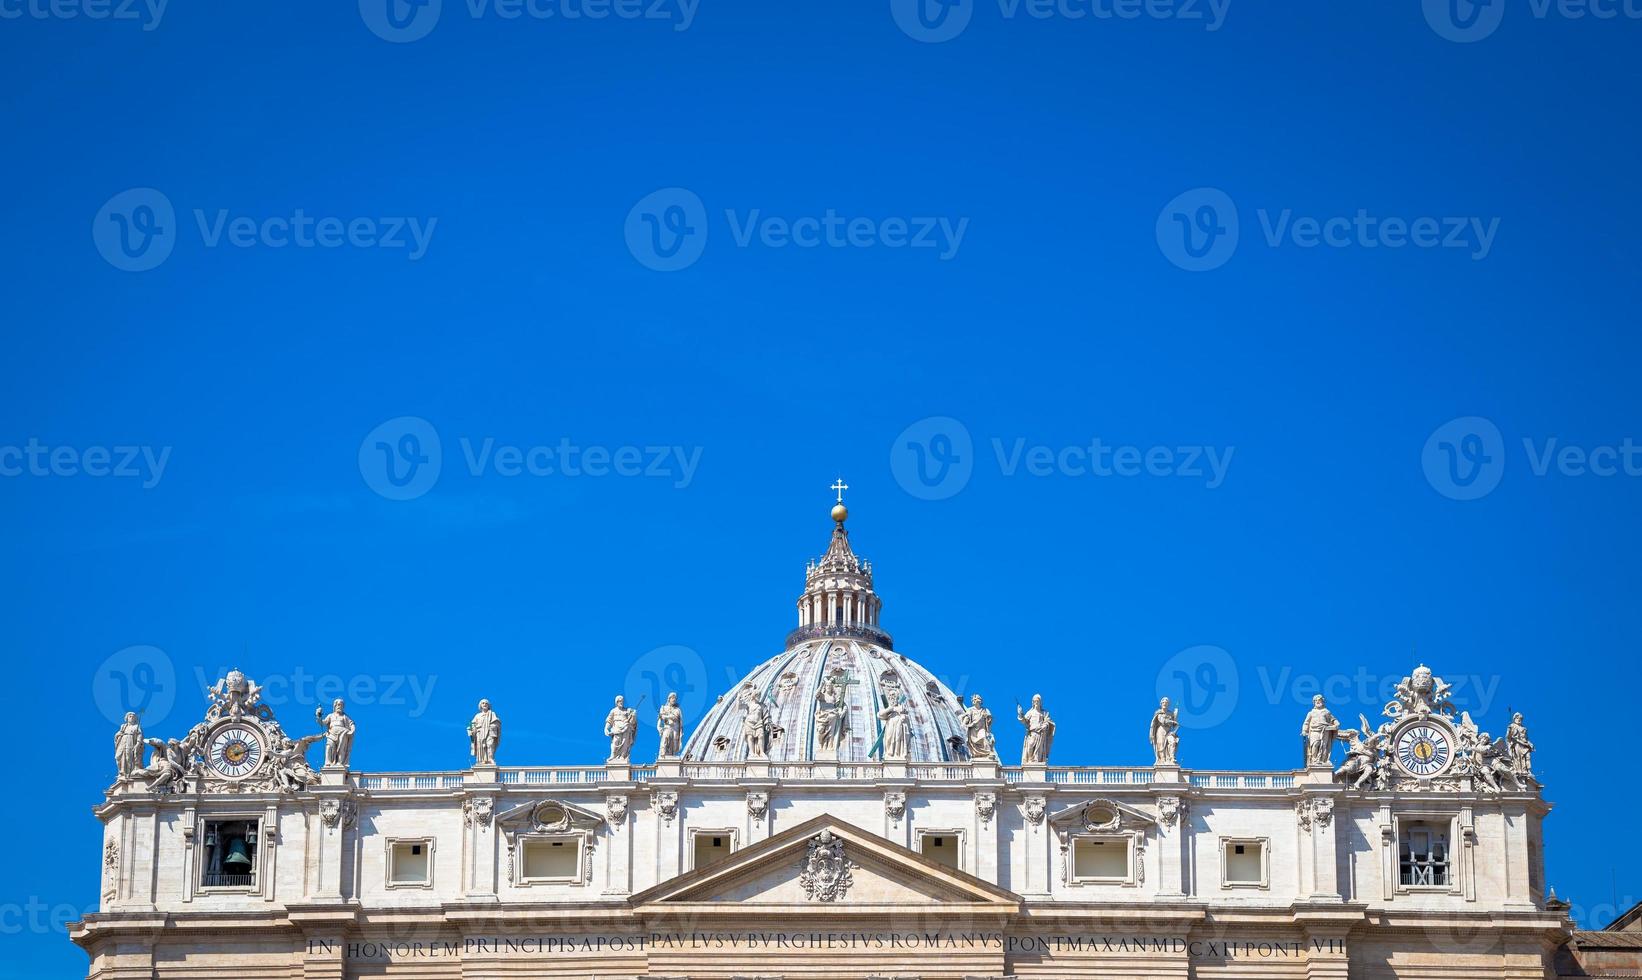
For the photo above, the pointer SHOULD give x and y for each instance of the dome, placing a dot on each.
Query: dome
(823, 693)
(868, 676)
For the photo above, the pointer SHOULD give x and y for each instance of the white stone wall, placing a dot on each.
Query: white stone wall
(1496, 844)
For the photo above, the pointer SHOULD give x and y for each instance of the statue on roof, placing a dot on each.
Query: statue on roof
(621, 724)
(977, 722)
(1165, 735)
(670, 726)
(1040, 732)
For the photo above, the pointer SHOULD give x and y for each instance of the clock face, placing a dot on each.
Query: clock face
(1424, 750)
(236, 751)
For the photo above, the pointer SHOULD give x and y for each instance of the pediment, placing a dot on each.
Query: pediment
(826, 865)
(1100, 814)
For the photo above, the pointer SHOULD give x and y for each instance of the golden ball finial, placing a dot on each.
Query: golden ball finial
(840, 513)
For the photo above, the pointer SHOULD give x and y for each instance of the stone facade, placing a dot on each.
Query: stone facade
(789, 837)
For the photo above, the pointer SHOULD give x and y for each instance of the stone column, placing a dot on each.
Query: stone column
(337, 813)
(1173, 844)
(1039, 842)
(479, 794)
(987, 804)
(1315, 815)
(618, 843)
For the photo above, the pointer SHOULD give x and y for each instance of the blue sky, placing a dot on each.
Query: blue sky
(719, 255)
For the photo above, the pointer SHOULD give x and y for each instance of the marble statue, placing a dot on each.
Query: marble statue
(670, 726)
(128, 747)
(232, 696)
(1362, 760)
(1165, 734)
(832, 712)
(173, 759)
(1040, 733)
(484, 735)
(1319, 731)
(1522, 750)
(291, 770)
(621, 724)
(1421, 693)
(755, 727)
(339, 731)
(977, 722)
(896, 740)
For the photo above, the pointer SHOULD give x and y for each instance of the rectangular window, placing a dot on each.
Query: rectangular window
(712, 846)
(941, 847)
(230, 858)
(551, 859)
(1243, 863)
(1100, 859)
(1422, 855)
(410, 862)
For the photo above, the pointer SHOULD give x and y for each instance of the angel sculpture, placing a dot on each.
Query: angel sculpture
(290, 763)
(1362, 755)
(173, 759)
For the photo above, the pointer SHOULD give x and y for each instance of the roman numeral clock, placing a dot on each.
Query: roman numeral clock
(1423, 748)
(235, 751)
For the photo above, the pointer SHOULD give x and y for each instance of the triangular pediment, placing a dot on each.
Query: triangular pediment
(800, 868)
